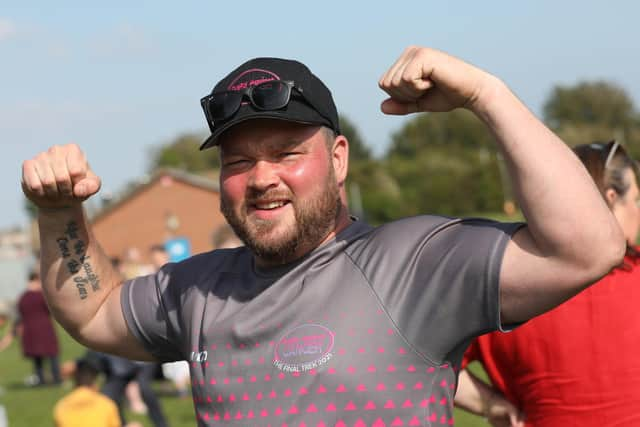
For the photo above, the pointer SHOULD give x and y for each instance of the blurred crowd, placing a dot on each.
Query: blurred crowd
(103, 384)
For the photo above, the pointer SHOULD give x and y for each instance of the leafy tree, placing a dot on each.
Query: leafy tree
(184, 153)
(358, 150)
(593, 111)
(445, 164)
(598, 103)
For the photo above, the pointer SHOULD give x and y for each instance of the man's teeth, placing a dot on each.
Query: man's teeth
(271, 205)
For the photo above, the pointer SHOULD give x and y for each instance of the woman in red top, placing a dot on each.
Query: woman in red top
(577, 364)
(39, 339)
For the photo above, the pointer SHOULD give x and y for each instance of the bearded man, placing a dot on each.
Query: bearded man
(321, 319)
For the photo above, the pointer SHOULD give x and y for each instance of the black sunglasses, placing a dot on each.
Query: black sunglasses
(270, 95)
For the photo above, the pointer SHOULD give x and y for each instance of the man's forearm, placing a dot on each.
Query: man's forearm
(472, 394)
(76, 275)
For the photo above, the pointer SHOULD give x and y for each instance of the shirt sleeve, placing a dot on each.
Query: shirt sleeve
(148, 304)
(438, 278)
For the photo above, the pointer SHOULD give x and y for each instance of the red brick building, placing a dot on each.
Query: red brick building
(172, 204)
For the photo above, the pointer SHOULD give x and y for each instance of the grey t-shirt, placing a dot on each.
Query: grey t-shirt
(366, 330)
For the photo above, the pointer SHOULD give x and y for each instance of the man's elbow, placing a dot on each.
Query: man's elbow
(607, 254)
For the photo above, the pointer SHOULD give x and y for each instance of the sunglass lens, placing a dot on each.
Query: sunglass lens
(271, 95)
(223, 105)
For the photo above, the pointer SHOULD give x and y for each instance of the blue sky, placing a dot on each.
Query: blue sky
(122, 79)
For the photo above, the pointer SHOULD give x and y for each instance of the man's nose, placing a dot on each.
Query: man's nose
(264, 175)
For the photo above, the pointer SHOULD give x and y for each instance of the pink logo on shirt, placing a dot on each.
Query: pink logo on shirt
(304, 348)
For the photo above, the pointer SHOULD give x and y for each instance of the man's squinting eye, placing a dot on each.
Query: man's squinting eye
(235, 162)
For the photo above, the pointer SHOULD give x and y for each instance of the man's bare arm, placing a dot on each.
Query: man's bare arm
(572, 239)
(79, 283)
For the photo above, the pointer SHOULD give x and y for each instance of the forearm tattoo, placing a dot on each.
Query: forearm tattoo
(74, 256)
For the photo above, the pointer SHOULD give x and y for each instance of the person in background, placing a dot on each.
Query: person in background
(7, 330)
(225, 238)
(37, 334)
(85, 406)
(575, 365)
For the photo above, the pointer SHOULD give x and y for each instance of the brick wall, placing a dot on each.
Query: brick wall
(140, 220)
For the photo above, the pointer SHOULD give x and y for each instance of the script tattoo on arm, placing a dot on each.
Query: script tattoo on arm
(74, 254)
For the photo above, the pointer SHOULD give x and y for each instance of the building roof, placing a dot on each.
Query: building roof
(194, 180)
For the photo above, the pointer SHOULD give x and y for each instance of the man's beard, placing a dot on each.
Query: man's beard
(314, 220)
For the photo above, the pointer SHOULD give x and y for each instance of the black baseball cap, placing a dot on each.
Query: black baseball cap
(313, 105)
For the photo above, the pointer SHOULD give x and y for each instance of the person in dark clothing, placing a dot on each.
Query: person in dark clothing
(38, 337)
(120, 372)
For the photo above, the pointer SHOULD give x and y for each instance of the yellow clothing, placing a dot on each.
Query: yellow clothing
(85, 407)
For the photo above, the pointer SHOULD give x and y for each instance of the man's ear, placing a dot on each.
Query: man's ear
(611, 196)
(340, 158)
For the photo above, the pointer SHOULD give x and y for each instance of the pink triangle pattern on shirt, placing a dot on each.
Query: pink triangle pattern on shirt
(381, 387)
(312, 408)
(360, 423)
(415, 421)
(378, 423)
(331, 407)
(389, 404)
(321, 389)
(370, 406)
(397, 422)
(341, 389)
(407, 404)
(350, 406)
(361, 387)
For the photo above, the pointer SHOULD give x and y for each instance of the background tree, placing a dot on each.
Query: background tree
(184, 153)
(373, 193)
(445, 164)
(593, 111)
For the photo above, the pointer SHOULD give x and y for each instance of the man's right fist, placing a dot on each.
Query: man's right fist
(59, 177)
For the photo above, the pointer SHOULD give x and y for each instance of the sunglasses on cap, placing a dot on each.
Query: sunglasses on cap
(266, 96)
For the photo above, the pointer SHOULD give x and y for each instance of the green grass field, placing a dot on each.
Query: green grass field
(32, 407)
